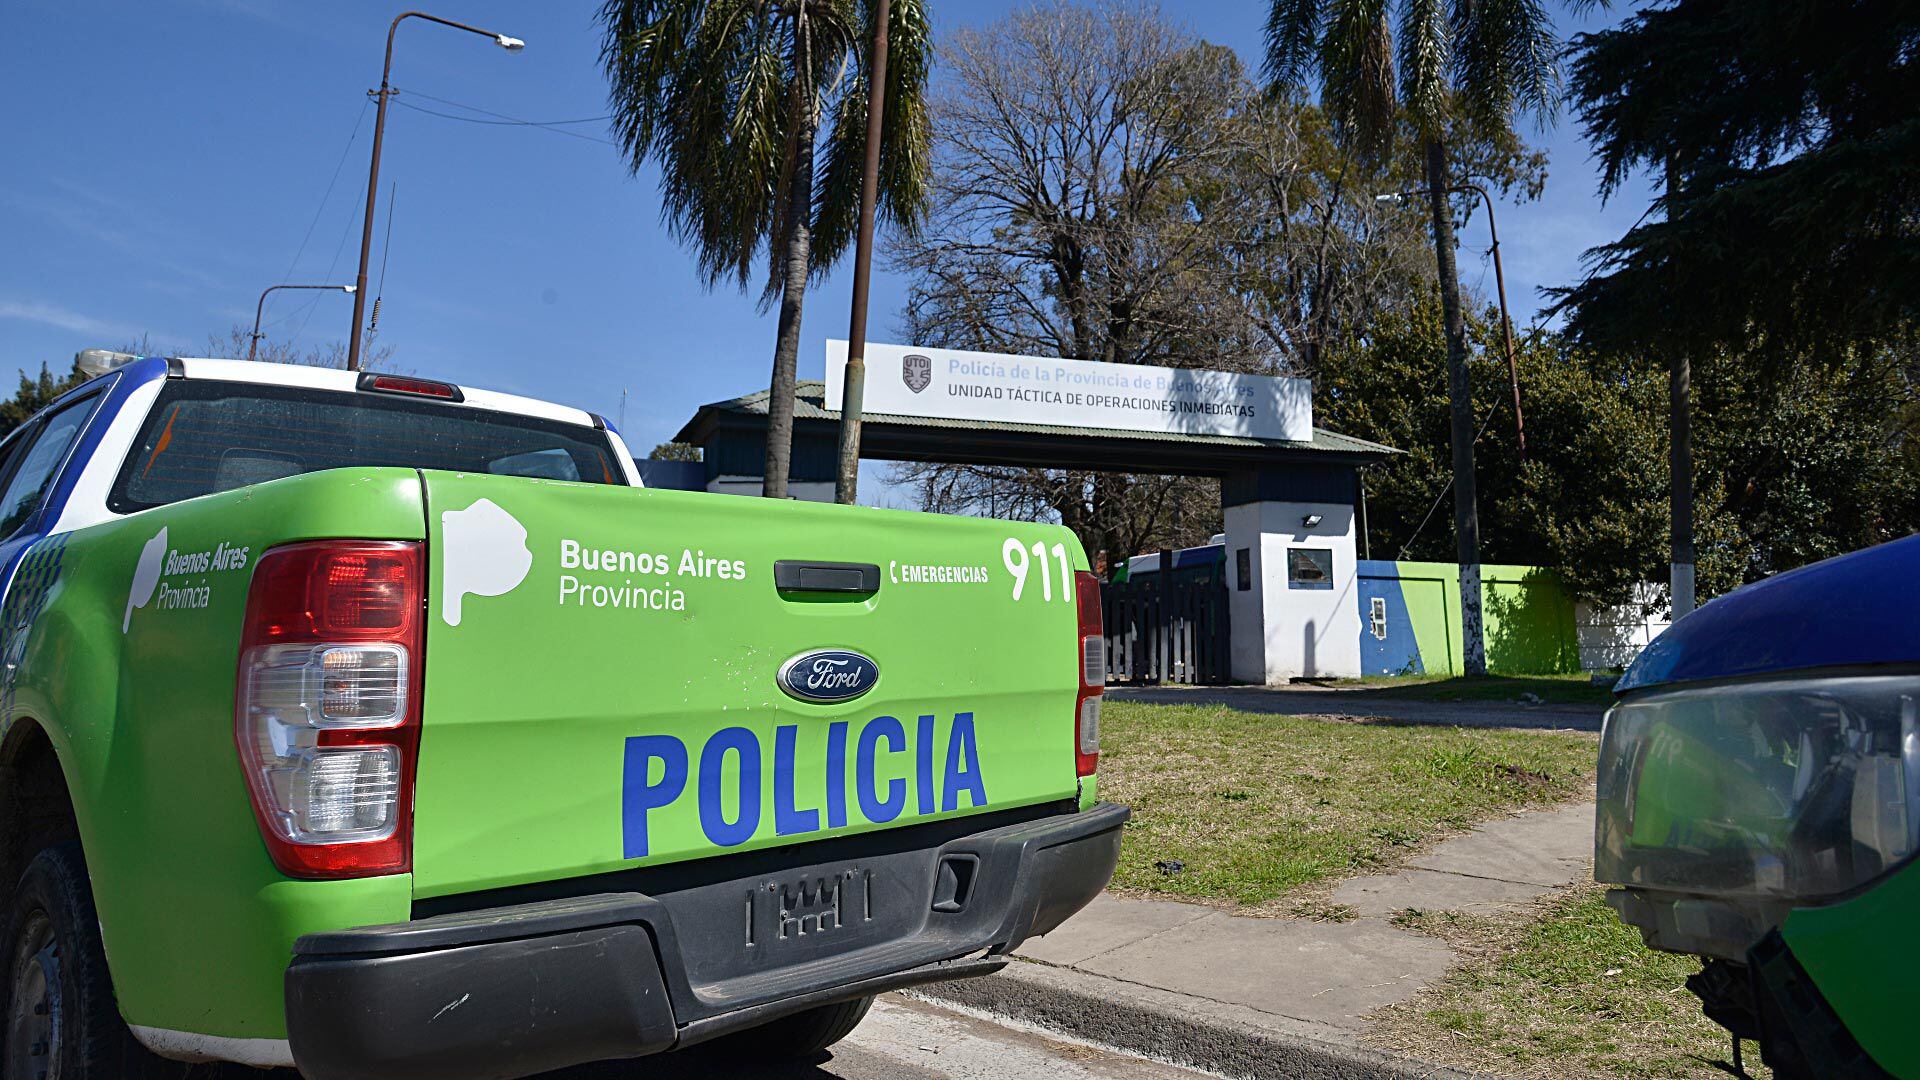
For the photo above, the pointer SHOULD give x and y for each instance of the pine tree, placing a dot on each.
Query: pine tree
(1789, 226)
(36, 393)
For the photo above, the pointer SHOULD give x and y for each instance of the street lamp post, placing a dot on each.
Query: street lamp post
(511, 44)
(1500, 283)
(253, 339)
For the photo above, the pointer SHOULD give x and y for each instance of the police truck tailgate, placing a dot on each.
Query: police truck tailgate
(621, 678)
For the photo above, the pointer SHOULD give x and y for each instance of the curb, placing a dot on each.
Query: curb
(1230, 1040)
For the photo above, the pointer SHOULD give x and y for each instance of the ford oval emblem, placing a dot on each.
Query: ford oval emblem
(828, 675)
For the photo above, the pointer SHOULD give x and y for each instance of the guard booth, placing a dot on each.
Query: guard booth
(1280, 602)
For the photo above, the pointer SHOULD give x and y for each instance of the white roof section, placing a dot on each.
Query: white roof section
(316, 378)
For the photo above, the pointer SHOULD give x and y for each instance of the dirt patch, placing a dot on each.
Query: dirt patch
(1558, 988)
(1532, 779)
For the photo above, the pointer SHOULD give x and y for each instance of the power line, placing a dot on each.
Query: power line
(331, 181)
(320, 210)
(504, 116)
(558, 127)
(509, 123)
(1443, 491)
(1496, 407)
(338, 248)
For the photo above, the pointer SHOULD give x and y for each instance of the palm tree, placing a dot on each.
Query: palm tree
(730, 98)
(1464, 62)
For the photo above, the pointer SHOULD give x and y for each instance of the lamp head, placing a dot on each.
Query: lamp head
(511, 44)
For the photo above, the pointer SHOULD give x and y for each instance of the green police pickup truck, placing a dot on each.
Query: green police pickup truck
(379, 726)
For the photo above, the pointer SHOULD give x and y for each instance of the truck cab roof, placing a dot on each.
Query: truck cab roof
(130, 387)
(337, 379)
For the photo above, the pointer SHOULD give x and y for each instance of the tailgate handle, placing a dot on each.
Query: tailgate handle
(796, 575)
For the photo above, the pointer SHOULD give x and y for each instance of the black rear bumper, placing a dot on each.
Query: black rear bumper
(515, 990)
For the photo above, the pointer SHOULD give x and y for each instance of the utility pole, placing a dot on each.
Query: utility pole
(847, 480)
(1680, 454)
(1506, 325)
(1461, 433)
(1500, 283)
(511, 44)
(1680, 403)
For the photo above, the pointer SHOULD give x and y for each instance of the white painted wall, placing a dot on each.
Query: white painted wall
(1281, 633)
(1246, 616)
(1613, 636)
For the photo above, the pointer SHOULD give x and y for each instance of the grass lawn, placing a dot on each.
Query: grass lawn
(1563, 989)
(1576, 689)
(1256, 806)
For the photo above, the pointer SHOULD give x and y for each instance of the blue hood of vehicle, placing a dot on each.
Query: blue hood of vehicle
(1862, 608)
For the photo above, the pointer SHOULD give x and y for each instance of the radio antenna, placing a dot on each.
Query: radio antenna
(386, 250)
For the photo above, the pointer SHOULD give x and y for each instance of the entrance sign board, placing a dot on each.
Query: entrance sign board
(955, 384)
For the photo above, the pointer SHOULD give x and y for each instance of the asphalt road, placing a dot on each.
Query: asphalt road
(901, 1039)
(904, 1038)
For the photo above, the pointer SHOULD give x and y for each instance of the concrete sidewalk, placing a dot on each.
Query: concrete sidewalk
(1247, 996)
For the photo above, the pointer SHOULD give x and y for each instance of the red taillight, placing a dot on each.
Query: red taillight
(335, 591)
(402, 384)
(1092, 656)
(327, 704)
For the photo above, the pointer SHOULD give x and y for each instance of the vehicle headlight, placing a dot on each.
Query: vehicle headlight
(1789, 789)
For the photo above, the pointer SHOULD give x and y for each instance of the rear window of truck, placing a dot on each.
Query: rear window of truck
(205, 436)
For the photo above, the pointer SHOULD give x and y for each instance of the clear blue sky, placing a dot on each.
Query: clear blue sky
(165, 161)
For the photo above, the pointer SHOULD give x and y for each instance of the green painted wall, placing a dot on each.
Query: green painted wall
(1529, 618)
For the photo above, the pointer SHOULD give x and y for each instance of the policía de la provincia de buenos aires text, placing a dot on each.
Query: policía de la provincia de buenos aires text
(1071, 388)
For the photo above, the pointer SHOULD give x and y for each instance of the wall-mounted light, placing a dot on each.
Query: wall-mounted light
(1310, 521)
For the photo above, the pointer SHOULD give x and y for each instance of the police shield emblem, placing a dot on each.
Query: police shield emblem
(916, 371)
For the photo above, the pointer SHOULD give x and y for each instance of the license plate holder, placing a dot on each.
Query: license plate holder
(799, 913)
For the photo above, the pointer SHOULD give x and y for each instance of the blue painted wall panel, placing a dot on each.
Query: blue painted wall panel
(1387, 642)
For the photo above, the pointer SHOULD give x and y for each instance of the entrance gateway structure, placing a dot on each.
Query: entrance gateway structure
(1289, 491)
